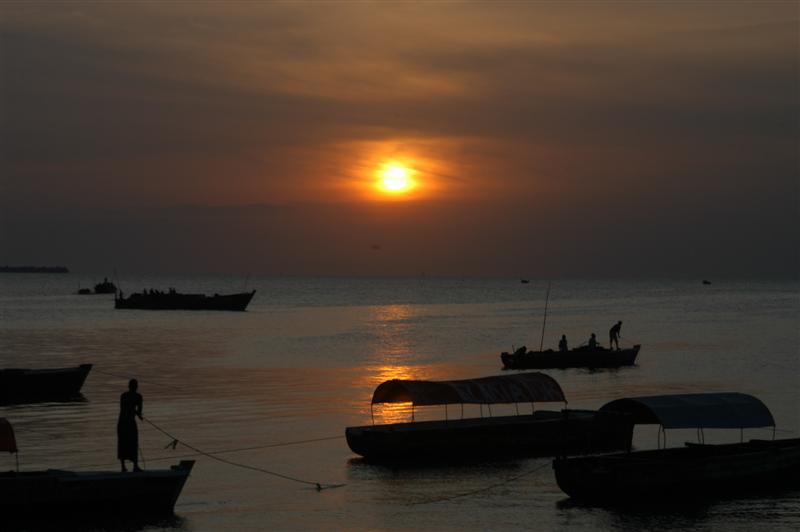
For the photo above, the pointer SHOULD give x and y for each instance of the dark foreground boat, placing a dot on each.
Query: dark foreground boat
(581, 357)
(176, 301)
(540, 433)
(31, 385)
(56, 494)
(696, 470)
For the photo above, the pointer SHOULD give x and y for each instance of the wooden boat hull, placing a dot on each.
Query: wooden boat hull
(544, 433)
(32, 385)
(689, 472)
(576, 358)
(168, 301)
(91, 495)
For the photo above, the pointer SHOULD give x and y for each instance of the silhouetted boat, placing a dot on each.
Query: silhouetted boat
(696, 470)
(538, 433)
(55, 494)
(84, 291)
(31, 385)
(580, 357)
(706, 281)
(524, 281)
(106, 287)
(177, 301)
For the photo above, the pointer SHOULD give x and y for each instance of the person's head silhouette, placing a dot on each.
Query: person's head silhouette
(133, 384)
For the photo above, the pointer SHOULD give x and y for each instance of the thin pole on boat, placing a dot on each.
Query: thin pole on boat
(544, 321)
(372, 412)
(462, 410)
(445, 412)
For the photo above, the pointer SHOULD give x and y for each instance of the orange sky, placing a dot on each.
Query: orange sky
(574, 110)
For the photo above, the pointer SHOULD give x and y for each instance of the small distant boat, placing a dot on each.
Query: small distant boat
(33, 385)
(86, 496)
(84, 291)
(524, 281)
(540, 433)
(706, 281)
(156, 300)
(580, 357)
(106, 287)
(695, 470)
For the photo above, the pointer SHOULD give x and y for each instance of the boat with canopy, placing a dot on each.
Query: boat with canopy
(697, 469)
(86, 496)
(541, 432)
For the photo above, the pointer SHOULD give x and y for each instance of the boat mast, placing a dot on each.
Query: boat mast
(544, 321)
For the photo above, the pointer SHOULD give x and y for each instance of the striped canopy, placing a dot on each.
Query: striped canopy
(520, 388)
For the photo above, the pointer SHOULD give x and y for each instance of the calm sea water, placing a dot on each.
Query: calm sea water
(302, 362)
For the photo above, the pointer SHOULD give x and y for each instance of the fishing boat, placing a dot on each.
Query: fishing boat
(541, 432)
(171, 300)
(695, 470)
(31, 385)
(56, 494)
(580, 357)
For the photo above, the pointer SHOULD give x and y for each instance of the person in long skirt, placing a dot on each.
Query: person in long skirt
(130, 407)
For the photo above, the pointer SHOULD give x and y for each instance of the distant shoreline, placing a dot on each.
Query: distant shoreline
(33, 269)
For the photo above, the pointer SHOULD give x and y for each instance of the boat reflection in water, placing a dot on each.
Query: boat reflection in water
(697, 470)
(541, 432)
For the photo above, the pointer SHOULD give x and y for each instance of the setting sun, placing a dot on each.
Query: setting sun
(395, 178)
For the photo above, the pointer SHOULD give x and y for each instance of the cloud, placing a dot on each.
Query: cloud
(503, 110)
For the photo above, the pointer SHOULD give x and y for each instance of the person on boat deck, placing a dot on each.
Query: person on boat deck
(562, 344)
(593, 341)
(613, 335)
(130, 407)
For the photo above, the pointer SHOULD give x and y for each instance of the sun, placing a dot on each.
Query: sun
(395, 179)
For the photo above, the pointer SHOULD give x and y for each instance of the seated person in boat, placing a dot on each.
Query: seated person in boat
(593, 341)
(562, 344)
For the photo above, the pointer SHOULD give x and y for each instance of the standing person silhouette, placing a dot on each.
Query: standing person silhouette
(130, 407)
(613, 335)
(562, 344)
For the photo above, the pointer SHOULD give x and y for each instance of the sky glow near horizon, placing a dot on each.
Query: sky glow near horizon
(654, 138)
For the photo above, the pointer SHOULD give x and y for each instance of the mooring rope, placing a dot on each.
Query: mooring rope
(175, 441)
(480, 490)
